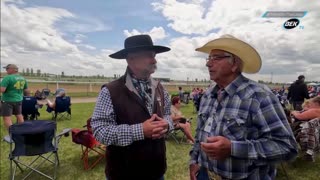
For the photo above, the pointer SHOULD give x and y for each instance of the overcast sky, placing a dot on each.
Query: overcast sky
(76, 36)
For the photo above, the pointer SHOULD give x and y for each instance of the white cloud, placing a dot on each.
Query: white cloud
(56, 39)
(31, 29)
(156, 33)
(284, 52)
(83, 24)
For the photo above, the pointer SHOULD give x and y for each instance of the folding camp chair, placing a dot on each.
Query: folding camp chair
(89, 146)
(174, 134)
(30, 108)
(34, 138)
(62, 108)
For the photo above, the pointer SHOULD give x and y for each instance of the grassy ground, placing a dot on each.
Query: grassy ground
(71, 167)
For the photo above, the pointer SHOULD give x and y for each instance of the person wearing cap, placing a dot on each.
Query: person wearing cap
(132, 115)
(12, 88)
(242, 131)
(60, 92)
(297, 93)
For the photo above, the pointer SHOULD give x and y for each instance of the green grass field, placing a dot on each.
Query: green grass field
(71, 167)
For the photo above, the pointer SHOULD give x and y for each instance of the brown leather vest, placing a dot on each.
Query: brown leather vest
(144, 159)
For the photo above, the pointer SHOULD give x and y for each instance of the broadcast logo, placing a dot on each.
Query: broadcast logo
(291, 23)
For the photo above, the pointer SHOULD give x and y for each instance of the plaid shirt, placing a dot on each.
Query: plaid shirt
(252, 118)
(106, 129)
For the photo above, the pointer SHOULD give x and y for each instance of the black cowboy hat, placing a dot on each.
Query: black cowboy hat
(138, 43)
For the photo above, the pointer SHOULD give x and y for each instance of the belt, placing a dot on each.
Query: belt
(213, 175)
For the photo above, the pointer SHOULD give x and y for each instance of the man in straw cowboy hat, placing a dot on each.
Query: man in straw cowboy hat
(132, 115)
(242, 130)
(12, 88)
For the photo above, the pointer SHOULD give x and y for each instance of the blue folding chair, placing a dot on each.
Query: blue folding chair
(34, 138)
(62, 108)
(30, 108)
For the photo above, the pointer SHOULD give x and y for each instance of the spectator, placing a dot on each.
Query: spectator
(132, 115)
(179, 121)
(181, 94)
(242, 130)
(311, 111)
(12, 87)
(59, 93)
(27, 97)
(298, 91)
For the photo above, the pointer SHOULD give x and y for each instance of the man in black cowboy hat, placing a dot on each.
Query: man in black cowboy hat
(132, 115)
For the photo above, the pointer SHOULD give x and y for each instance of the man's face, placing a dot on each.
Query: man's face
(11, 70)
(143, 62)
(220, 65)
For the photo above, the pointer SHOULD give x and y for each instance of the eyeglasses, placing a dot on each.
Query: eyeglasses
(217, 58)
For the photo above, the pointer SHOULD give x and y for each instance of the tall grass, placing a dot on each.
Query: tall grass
(71, 167)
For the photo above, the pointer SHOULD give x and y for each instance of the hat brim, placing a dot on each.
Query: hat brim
(122, 54)
(249, 56)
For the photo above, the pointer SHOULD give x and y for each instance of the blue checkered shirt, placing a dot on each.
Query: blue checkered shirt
(106, 129)
(252, 118)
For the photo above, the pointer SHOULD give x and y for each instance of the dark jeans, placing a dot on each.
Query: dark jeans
(202, 174)
(297, 105)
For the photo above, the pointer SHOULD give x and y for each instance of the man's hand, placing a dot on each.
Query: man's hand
(294, 113)
(194, 169)
(155, 127)
(217, 147)
(162, 128)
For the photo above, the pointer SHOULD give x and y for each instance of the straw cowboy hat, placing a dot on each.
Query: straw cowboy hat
(249, 56)
(138, 43)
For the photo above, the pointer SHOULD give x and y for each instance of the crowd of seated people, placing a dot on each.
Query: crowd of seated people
(179, 120)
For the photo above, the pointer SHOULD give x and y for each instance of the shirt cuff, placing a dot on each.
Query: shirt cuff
(137, 131)
(239, 149)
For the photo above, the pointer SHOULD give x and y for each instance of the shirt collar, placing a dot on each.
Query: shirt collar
(154, 83)
(232, 88)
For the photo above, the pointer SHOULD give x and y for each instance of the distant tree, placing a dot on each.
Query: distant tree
(62, 74)
(23, 72)
(28, 72)
(31, 71)
(38, 72)
(196, 80)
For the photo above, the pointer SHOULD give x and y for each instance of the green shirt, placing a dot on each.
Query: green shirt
(14, 84)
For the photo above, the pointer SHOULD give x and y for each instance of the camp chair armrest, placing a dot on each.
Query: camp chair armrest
(64, 132)
(8, 139)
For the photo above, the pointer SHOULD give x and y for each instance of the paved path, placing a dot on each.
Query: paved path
(83, 100)
(73, 100)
